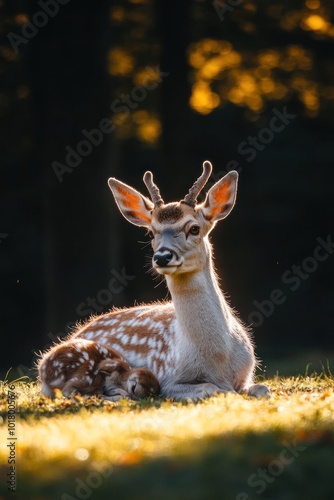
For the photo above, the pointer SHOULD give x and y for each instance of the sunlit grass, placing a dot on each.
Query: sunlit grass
(78, 435)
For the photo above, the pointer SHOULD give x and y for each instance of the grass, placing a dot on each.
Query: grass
(224, 447)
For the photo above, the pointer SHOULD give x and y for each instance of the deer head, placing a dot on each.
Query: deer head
(179, 230)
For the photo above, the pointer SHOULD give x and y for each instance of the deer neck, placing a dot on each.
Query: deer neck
(201, 310)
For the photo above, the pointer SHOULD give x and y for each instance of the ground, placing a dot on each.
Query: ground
(225, 447)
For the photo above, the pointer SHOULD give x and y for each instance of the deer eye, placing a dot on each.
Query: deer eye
(194, 230)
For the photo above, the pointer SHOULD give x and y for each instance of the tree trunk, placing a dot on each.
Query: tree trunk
(173, 24)
(77, 249)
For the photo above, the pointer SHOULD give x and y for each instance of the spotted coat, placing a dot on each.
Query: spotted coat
(90, 367)
(144, 335)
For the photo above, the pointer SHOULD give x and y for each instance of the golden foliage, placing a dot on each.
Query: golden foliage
(148, 127)
(120, 62)
(222, 74)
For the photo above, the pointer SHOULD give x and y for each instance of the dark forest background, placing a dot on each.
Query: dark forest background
(182, 82)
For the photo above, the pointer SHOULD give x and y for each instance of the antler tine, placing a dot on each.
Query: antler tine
(153, 189)
(191, 198)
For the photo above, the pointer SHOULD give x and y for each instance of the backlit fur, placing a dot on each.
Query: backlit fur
(195, 345)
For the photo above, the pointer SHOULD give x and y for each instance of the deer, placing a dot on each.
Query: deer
(195, 344)
(87, 367)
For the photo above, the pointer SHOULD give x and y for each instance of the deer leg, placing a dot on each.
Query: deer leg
(194, 392)
(47, 390)
(80, 386)
(115, 394)
(258, 390)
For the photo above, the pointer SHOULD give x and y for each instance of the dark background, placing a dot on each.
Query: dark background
(229, 69)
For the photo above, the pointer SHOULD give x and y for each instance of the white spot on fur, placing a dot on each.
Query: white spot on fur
(134, 339)
(103, 350)
(161, 327)
(146, 321)
(152, 342)
(125, 339)
(100, 332)
(111, 322)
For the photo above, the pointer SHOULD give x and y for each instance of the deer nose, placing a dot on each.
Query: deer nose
(162, 259)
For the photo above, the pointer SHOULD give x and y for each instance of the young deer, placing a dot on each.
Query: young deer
(90, 368)
(195, 344)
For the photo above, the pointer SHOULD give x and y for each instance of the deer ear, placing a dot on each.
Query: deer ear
(107, 366)
(135, 207)
(220, 198)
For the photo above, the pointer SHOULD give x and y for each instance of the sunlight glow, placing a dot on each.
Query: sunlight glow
(81, 454)
(117, 14)
(312, 4)
(316, 23)
(149, 74)
(21, 19)
(127, 432)
(203, 100)
(149, 130)
(120, 62)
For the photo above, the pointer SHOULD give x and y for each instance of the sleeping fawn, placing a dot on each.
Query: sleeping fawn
(85, 366)
(195, 344)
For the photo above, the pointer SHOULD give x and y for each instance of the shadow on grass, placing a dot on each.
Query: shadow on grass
(270, 466)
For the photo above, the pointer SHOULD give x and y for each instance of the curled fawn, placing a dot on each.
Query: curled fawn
(195, 344)
(87, 367)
